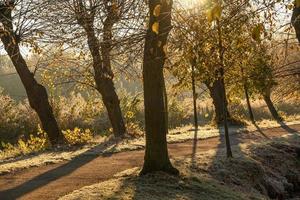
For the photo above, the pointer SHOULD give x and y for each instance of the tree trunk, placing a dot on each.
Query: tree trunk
(105, 86)
(37, 94)
(194, 97)
(215, 92)
(249, 104)
(245, 85)
(156, 154)
(296, 21)
(102, 64)
(271, 107)
(223, 90)
(166, 107)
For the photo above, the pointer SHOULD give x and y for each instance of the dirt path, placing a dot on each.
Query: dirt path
(52, 181)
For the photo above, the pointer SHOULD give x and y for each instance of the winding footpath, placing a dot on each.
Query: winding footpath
(56, 180)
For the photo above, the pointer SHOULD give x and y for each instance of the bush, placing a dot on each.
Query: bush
(16, 119)
(78, 136)
(35, 143)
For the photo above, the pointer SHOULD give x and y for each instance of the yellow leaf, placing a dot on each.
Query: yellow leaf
(156, 11)
(155, 27)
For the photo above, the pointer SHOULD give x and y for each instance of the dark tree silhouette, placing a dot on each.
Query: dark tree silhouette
(156, 155)
(37, 94)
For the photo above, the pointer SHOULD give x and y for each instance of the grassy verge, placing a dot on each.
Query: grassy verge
(256, 172)
(14, 160)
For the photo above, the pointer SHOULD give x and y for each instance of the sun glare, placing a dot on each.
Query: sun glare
(190, 3)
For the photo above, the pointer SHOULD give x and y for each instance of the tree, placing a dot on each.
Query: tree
(156, 154)
(102, 28)
(262, 77)
(11, 39)
(85, 15)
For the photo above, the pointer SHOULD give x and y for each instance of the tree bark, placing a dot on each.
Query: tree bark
(245, 85)
(296, 21)
(215, 92)
(194, 97)
(102, 64)
(223, 90)
(251, 116)
(37, 94)
(156, 154)
(271, 107)
(166, 107)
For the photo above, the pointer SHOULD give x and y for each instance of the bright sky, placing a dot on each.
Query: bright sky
(189, 3)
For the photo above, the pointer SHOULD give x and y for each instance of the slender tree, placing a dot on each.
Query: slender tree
(37, 94)
(156, 155)
(223, 89)
(194, 96)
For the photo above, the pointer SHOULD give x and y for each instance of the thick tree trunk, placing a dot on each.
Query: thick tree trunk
(156, 154)
(105, 86)
(166, 107)
(102, 64)
(37, 94)
(215, 92)
(296, 21)
(271, 107)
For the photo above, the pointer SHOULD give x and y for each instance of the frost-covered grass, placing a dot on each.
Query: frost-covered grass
(158, 186)
(108, 144)
(255, 172)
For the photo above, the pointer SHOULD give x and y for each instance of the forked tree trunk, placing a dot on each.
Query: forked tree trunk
(271, 107)
(102, 64)
(215, 92)
(37, 94)
(156, 154)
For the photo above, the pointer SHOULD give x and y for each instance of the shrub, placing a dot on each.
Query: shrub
(16, 119)
(35, 143)
(77, 136)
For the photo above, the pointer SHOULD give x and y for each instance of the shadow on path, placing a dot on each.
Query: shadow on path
(260, 131)
(54, 174)
(195, 143)
(287, 128)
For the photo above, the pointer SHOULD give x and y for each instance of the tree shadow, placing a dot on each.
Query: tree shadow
(160, 185)
(195, 143)
(39, 153)
(224, 169)
(56, 173)
(287, 128)
(260, 131)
